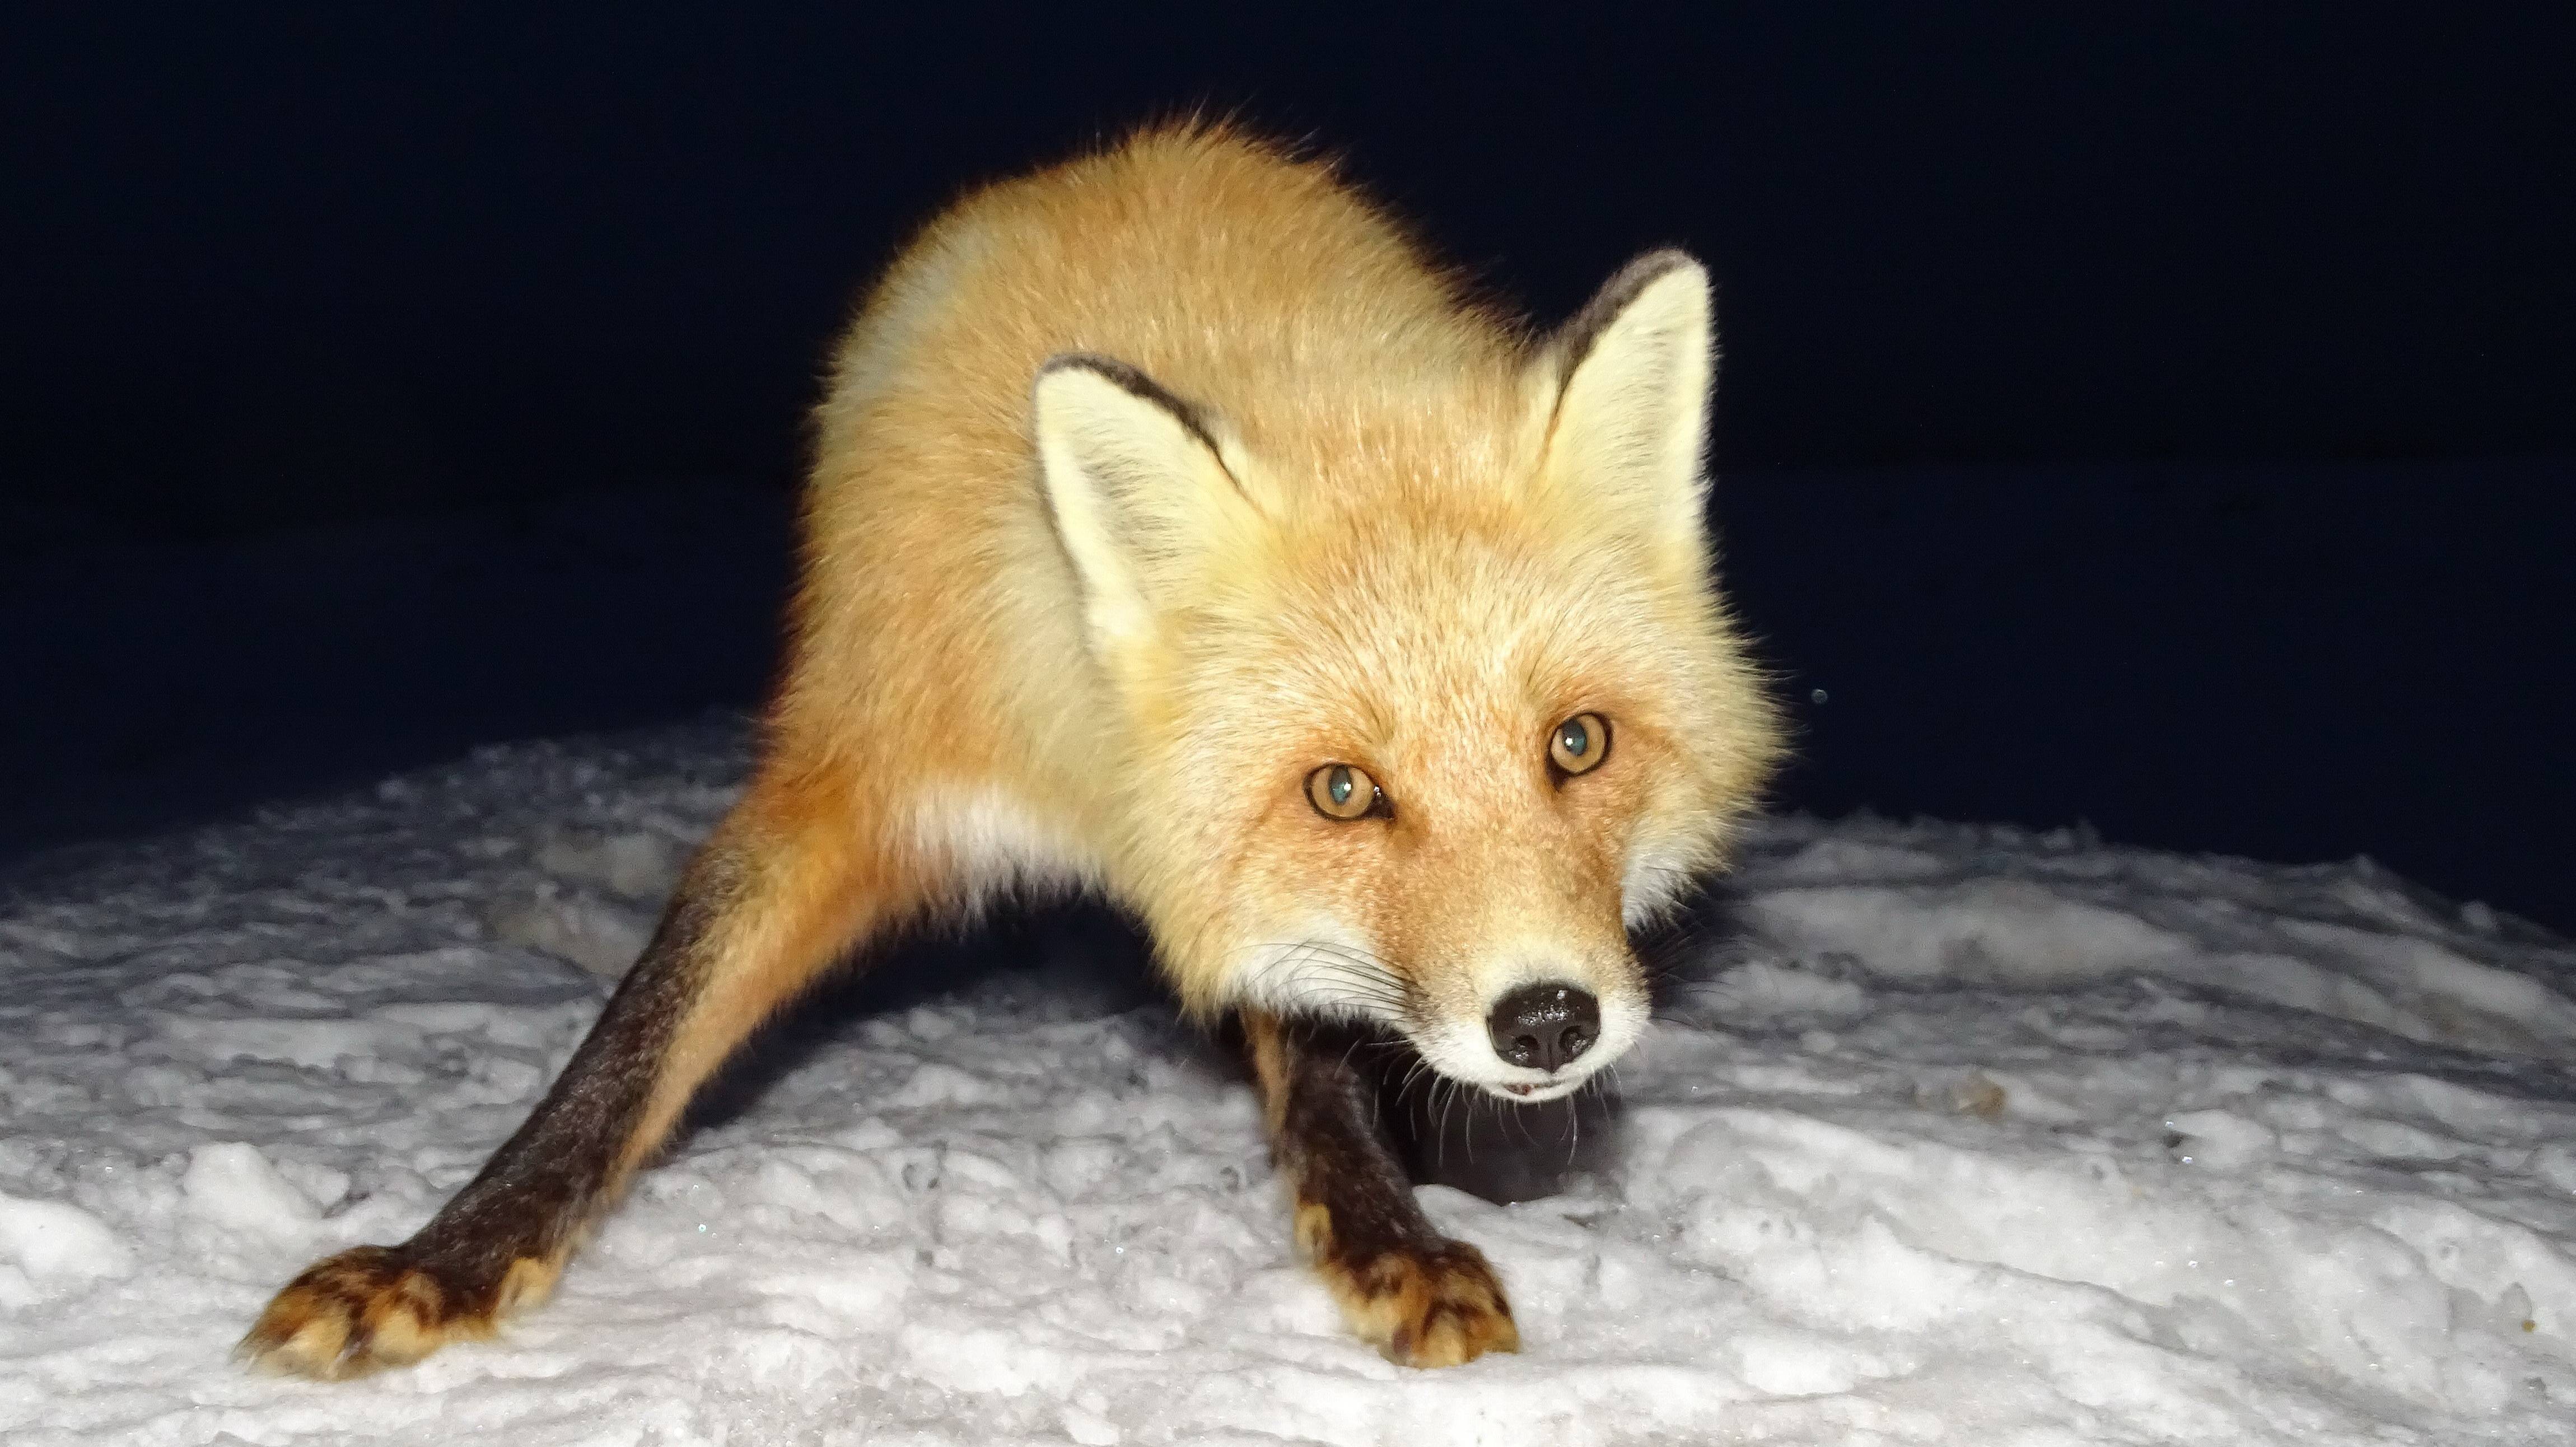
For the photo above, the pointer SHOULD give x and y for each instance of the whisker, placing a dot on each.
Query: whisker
(1347, 981)
(1346, 1054)
(1415, 1073)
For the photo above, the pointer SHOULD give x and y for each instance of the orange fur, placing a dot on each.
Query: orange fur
(1416, 586)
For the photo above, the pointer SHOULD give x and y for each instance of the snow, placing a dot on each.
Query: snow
(1954, 1135)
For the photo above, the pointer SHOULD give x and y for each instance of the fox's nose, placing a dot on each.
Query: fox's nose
(1545, 1026)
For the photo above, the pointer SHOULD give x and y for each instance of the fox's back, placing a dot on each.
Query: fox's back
(1255, 285)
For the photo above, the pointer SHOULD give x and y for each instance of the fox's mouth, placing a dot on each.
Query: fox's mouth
(1539, 1091)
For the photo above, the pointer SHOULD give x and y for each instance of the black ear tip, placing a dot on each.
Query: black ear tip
(1655, 263)
(1575, 339)
(1134, 381)
(1653, 267)
(1105, 367)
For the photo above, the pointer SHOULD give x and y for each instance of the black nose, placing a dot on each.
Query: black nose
(1545, 1026)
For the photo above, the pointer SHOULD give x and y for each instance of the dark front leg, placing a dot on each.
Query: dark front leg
(1423, 1299)
(764, 908)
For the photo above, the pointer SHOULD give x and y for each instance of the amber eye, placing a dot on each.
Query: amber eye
(1578, 745)
(1339, 791)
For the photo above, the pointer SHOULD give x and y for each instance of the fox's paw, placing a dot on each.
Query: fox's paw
(1434, 1306)
(378, 1306)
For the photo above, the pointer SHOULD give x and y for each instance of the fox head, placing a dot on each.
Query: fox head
(1420, 742)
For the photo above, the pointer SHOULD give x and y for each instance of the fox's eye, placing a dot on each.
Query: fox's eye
(1578, 745)
(1339, 791)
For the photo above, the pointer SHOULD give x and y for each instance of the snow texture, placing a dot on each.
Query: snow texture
(1961, 1136)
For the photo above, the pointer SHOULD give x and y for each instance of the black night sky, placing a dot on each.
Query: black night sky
(2159, 417)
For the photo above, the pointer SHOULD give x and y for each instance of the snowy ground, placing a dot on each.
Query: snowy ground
(1965, 1136)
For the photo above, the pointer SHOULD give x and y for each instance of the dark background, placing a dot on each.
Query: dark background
(2157, 418)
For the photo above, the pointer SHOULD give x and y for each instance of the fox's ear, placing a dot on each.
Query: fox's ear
(1138, 485)
(1628, 420)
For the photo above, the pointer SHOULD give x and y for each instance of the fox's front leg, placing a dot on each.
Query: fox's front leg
(771, 900)
(1422, 1298)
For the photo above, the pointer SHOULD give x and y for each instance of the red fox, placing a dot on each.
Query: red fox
(1176, 530)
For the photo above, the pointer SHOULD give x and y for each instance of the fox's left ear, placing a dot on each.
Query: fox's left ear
(1626, 388)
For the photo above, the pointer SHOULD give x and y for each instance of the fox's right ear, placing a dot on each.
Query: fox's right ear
(1139, 486)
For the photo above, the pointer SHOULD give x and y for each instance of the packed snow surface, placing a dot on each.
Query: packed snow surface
(1953, 1135)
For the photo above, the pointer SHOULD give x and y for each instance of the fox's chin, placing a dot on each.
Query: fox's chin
(1533, 1094)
